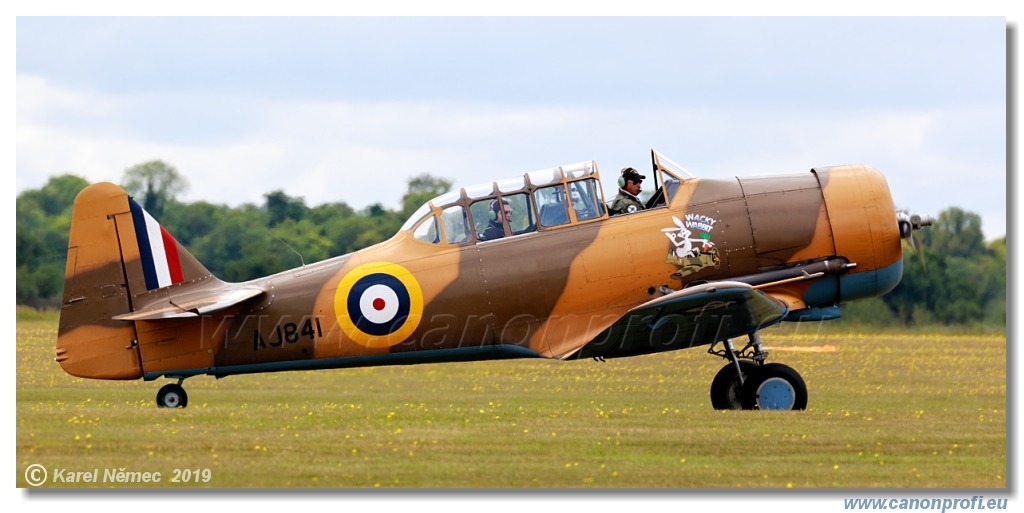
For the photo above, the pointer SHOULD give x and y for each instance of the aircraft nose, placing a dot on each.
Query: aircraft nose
(865, 229)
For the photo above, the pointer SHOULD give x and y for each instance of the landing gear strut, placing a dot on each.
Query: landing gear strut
(747, 383)
(172, 395)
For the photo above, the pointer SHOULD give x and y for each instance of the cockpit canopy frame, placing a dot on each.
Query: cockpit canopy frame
(536, 201)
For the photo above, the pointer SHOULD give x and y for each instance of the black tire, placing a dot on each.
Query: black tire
(172, 395)
(726, 392)
(774, 386)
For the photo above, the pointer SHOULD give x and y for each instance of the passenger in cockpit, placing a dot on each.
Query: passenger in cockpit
(500, 210)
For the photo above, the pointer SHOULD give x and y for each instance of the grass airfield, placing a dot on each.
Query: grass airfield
(888, 410)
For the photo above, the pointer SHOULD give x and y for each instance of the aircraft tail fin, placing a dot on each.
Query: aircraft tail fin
(113, 240)
(119, 259)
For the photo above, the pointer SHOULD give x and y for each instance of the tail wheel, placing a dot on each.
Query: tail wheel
(726, 388)
(774, 386)
(172, 395)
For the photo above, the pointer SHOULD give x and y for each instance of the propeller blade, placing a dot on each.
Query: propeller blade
(910, 223)
(920, 252)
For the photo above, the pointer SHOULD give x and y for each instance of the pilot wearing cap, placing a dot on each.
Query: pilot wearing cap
(626, 201)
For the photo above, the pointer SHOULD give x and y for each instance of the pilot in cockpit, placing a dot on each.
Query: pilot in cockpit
(626, 201)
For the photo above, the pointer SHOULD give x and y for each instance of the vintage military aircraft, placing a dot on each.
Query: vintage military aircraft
(532, 266)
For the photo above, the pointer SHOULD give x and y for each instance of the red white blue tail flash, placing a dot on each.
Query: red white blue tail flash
(157, 248)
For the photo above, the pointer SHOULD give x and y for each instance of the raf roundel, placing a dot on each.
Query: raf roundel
(378, 304)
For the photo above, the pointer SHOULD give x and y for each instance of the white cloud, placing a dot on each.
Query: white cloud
(363, 153)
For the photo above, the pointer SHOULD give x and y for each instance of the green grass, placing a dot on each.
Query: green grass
(27, 314)
(890, 410)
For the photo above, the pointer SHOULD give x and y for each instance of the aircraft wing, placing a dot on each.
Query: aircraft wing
(191, 304)
(685, 318)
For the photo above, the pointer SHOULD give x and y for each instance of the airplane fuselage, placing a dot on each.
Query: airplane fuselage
(545, 293)
(578, 283)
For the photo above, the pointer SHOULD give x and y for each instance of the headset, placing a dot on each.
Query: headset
(622, 176)
(496, 203)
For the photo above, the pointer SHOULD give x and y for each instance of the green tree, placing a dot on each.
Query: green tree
(281, 207)
(57, 195)
(235, 249)
(339, 224)
(304, 241)
(954, 233)
(422, 188)
(189, 221)
(154, 184)
(993, 271)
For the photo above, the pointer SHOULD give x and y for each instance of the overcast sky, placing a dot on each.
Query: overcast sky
(347, 109)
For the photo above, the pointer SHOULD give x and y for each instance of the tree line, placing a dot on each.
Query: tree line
(235, 243)
(953, 278)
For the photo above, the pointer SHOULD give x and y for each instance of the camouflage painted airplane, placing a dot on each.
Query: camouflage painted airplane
(528, 267)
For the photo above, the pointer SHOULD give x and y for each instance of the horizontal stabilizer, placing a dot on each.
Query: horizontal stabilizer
(191, 304)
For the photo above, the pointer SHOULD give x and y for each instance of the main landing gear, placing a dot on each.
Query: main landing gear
(747, 383)
(172, 395)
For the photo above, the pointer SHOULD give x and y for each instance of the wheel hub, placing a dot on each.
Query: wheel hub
(171, 400)
(776, 394)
